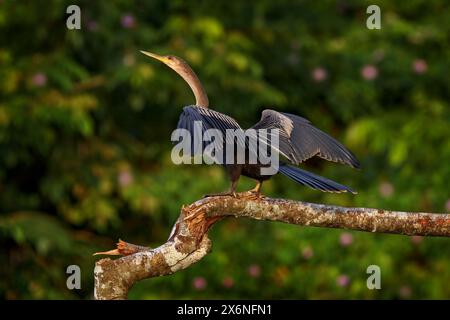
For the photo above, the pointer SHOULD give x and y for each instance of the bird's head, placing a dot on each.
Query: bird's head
(173, 62)
(184, 70)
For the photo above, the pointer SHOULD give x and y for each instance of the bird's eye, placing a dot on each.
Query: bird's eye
(170, 57)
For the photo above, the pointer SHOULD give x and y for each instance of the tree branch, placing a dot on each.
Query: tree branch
(188, 241)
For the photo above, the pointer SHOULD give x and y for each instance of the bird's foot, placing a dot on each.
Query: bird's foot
(221, 194)
(253, 194)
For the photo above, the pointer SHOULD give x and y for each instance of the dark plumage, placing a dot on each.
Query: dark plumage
(299, 140)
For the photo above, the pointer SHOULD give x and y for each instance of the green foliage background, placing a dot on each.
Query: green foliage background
(85, 124)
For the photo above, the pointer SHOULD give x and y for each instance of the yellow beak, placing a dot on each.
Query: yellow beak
(155, 56)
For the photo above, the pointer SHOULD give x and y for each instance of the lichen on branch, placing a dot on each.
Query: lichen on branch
(189, 242)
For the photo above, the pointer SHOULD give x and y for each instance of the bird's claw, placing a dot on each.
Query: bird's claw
(221, 194)
(253, 194)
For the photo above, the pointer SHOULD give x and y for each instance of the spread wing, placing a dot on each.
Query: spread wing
(197, 121)
(299, 140)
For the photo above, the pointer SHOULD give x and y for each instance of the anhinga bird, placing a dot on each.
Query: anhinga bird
(299, 139)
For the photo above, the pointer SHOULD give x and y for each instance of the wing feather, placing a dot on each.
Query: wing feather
(209, 119)
(300, 140)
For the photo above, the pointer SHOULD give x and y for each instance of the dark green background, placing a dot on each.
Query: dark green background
(85, 125)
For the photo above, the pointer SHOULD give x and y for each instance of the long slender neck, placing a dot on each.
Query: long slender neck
(201, 98)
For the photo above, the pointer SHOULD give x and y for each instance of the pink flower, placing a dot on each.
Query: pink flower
(386, 189)
(199, 283)
(254, 270)
(228, 282)
(128, 21)
(319, 74)
(405, 292)
(346, 239)
(447, 205)
(39, 79)
(416, 239)
(125, 178)
(307, 253)
(419, 66)
(343, 280)
(369, 72)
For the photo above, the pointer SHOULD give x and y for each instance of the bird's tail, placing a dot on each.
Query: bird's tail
(312, 180)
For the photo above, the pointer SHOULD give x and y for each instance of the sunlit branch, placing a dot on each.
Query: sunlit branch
(189, 242)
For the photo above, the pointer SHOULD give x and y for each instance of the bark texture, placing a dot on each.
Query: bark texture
(189, 242)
